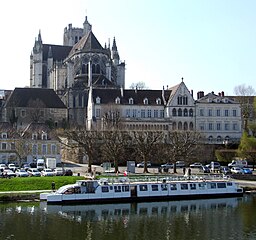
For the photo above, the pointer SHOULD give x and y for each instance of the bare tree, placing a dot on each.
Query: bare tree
(84, 139)
(114, 146)
(145, 145)
(245, 98)
(138, 86)
(111, 117)
(35, 110)
(182, 145)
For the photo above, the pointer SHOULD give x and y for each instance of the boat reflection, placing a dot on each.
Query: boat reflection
(99, 212)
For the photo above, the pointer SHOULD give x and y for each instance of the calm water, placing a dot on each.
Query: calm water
(217, 219)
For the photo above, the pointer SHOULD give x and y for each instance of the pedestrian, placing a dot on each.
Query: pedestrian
(184, 171)
(53, 186)
(189, 173)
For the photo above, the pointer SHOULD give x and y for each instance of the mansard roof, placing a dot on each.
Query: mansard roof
(22, 97)
(108, 96)
(59, 52)
(87, 43)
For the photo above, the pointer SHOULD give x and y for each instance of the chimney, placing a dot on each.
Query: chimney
(192, 93)
(222, 93)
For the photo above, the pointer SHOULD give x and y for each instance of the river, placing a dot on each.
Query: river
(211, 219)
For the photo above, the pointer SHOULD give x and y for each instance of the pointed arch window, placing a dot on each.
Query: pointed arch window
(117, 100)
(179, 112)
(174, 112)
(180, 126)
(191, 112)
(191, 126)
(185, 112)
(185, 126)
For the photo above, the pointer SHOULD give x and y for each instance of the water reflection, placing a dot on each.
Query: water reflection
(215, 219)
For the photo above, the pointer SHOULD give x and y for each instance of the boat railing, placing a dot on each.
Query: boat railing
(164, 179)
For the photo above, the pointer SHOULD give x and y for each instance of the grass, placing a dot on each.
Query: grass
(35, 183)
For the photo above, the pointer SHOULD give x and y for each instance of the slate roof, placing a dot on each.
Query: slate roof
(87, 43)
(59, 53)
(22, 96)
(215, 98)
(108, 96)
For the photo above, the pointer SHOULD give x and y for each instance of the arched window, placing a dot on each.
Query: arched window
(180, 126)
(179, 100)
(184, 100)
(185, 112)
(97, 68)
(117, 100)
(130, 100)
(158, 101)
(219, 139)
(185, 126)
(174, 112)
(174, 126)
(145, 101)
(191, 126)
(210, 138)
(179, 112)
(191, 112)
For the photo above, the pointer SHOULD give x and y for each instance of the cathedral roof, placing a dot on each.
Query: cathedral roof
(86, 44)
(22, 97)
(58, 52)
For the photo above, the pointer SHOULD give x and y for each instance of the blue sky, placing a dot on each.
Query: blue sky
(210, 43)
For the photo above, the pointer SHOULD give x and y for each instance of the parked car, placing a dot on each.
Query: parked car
(21, 173)
(2, 167)
(225, 170)
(33, 172)
(247, 171)
(68, 172)
(58, 171)
(25, 166)
(204, 169)
(196, 165)
(8, 173)
(47, 172)
(237, 170)
(180, 164)
(141, 164)
(12, 167)
(214, 166)
(167, 165)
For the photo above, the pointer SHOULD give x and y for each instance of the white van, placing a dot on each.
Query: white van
(238, 163)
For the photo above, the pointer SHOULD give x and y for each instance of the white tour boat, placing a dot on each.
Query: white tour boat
(124, 190)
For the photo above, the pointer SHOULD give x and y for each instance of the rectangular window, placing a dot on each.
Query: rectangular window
(143, 114)
(4, 135)
(226, 112)
(154, 187)
(234, 113)
(44, 149)
(221, 185)
(209, 112)
(143, 188)
(173, 187)
(201, 112)
(155, 113)
(97, 113)
(201, 126)
(235, 126)
(117, 188)
(4, 146)
(12, 146)
(149, 113)
(164, 187)
(192, 186)
(226, 126)
(34, 149)
(128, 113)
(161, 113)
(104, 189)
(210, 126)
(125, 188)
(218, 112)
(134, 113)
(218, 126)
(53, 149)
(184, 186)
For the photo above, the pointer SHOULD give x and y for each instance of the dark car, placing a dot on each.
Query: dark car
(225, 170)
(68, 172)
(204, 169)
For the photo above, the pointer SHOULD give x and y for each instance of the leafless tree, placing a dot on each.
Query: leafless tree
(182, 145)
(145, 145)
(245, 98)
(114, 146)
(138, 86)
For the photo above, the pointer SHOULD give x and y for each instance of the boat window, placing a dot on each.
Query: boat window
(211, 185)
(77, 190)
(164, 187)
(154, 187)
(192, 186)
(183, 186)
(104, 189)
(125, 188)
(201, 185)
(143, 188)
(117, 188)
(229, 183)
(69, 191)
(173, 186)
(221, 185)
(111, 188)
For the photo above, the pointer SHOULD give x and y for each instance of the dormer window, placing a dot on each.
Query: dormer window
(158, 101)
(131, 101)
(34, 136)
(117, 100)
(145, 101)
(44, 136)
(4, 135)
(98, 100)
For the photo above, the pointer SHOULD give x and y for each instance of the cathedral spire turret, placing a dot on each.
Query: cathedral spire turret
(87, 26)
(114, 53)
